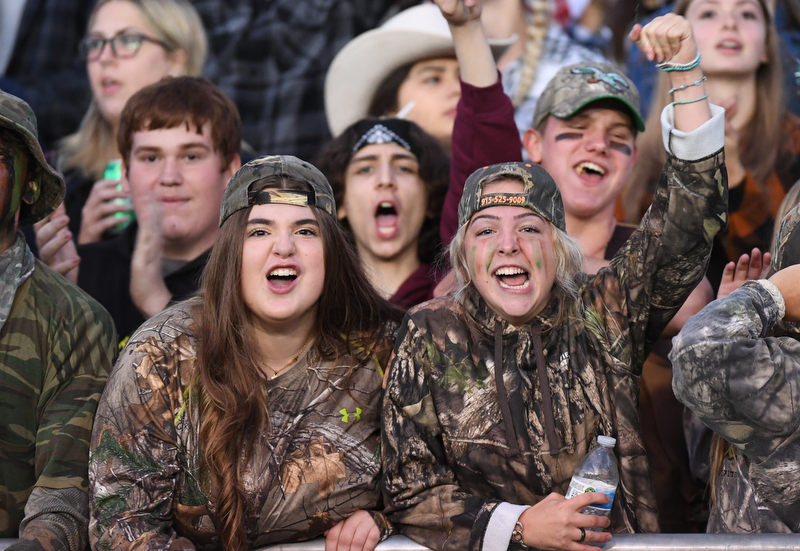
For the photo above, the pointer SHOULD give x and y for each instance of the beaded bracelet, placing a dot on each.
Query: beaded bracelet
(685, 86)
(701, 98)
(668, 66)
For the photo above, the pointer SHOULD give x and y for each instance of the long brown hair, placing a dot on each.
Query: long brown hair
(234, 410)
(760, 138)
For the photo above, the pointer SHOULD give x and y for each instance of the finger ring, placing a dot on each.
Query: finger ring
(583, 536)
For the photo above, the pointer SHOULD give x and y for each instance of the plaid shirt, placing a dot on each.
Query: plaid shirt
(271, 59)
(45, 69)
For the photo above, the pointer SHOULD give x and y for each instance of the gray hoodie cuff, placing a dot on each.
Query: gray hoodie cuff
(698, 144)
(501, 524)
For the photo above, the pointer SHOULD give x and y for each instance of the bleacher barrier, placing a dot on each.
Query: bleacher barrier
(620, 542)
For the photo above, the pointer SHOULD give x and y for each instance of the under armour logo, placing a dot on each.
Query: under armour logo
(612, 79)
(346, 416)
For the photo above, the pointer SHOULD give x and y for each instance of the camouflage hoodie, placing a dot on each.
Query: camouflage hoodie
(461, 436)
(317, 464)
(738, 368)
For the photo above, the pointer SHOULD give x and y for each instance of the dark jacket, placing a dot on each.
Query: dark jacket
(105, 273)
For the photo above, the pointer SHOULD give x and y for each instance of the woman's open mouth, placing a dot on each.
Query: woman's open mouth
(515, 279)
(387, 221)
(282, 279)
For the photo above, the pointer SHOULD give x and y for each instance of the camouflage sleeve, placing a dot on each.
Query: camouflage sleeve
(81, 348)
(422, 497)
(134, 460)
(665, 259)
(739, 381)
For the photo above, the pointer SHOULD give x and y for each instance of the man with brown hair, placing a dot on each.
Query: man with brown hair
(179, 140)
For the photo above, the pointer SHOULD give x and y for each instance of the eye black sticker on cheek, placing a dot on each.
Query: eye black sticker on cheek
(569, 136)
(622, 148)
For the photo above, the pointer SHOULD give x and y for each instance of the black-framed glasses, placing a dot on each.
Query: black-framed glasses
(123, 46)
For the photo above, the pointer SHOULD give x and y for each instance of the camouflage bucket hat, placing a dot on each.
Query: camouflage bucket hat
(575, 86)
(540, 193)
(17, 116)
(238, 195)
(787, 242)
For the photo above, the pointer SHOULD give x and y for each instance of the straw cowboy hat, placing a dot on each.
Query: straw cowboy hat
(418, 33)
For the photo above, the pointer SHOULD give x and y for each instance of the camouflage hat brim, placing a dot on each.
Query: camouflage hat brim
(53, 187)
(582, 101)
(540, 193)
(238, 194)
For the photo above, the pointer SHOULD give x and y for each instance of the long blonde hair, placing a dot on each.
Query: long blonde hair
(177, 24)
(760, 138)
(536, 32)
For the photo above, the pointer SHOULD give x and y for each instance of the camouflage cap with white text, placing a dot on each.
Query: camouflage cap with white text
(540, 192)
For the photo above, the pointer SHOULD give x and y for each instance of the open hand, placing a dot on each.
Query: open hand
(148, 290)
(358, 532)
(56, 247)
(748, 267)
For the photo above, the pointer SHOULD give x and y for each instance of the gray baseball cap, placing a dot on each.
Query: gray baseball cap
(575, 86)
(540, 193)
(18, 117)
(238, 195)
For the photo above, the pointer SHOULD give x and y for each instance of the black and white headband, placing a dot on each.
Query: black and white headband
(383, 131)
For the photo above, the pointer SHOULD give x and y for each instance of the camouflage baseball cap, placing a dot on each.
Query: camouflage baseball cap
(787, 242)
(575, 86)
(17, 116)
(238, 195)
(540, 193)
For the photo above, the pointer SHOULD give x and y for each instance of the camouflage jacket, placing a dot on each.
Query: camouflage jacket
(448, 457)
(318, 463)
(56, 351)
(736, 369)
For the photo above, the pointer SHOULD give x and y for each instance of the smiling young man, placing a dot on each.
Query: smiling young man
(179, 139)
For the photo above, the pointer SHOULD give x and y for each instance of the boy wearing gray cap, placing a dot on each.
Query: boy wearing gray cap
(57, 347)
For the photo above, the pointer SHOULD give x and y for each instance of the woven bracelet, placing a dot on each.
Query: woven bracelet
(685, 86)
(701, 98)
(667, 66)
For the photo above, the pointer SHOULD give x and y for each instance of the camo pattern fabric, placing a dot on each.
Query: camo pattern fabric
(736, 368)
(447, 459)
(16, 265)
(317, 464)
(56, 351)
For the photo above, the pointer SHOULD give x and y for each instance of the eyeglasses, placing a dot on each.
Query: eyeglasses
(123, 46)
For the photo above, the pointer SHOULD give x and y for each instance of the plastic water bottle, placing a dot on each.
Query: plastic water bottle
(597, 472)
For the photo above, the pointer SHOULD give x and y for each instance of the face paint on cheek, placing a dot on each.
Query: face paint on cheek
(14, 169)
(622, 148)
(492, 251)
(472, 262)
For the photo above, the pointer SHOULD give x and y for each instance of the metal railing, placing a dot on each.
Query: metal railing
(620, 542)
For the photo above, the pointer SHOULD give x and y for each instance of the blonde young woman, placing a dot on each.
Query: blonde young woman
(739, 47)
(128, 45)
